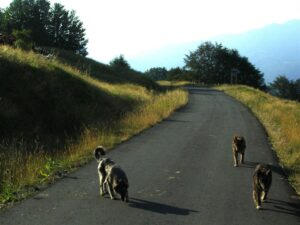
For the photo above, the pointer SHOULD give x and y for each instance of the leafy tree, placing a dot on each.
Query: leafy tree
(157, 73)
(202, 62)
(76, 36)
(41, 22)
(58, 26)
(1, 20)
(119, 64)
(23, 39)
(285, 88)
(50, 26)
(297, 85)
(213, 63)
(176, 74)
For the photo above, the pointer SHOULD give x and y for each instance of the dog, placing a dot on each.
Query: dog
(262, 180)
(238, 147)
(103, 167)
(111, 176)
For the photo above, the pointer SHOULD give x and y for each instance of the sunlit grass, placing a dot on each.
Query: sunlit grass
(25, 163)
(38, 168)
(175, 83)
(281, 119)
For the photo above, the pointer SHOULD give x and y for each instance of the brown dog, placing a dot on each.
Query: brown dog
(262, 180)
(238, 147)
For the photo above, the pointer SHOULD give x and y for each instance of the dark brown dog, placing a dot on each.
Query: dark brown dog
(262, 180)
(238, 147)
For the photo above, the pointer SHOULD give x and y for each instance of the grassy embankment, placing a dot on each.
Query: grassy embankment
(53, 112)
(281, 119)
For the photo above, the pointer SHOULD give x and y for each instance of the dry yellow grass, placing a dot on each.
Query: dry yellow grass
(135, 108)
(39, 168)
(174, 83)
(281, 119)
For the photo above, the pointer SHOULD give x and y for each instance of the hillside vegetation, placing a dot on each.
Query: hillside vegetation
(55, 110)
(281, 119)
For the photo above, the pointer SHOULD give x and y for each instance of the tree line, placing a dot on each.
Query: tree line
(45, 25)
(285, 88)
(213, 64)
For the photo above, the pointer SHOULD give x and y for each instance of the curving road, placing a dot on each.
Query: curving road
(180, 172)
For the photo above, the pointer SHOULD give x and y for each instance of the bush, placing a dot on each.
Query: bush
(23, 39)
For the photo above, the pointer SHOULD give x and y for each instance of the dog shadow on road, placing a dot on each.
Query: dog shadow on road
(158, 207)
(274, 168)
(280, 206)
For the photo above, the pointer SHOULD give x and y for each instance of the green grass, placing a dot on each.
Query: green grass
(53, 114)
(281, 119)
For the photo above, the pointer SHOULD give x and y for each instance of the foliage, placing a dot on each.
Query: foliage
(50, 26)
(177, 74)
(23, 39)
(1, 20)
(213, 63)
(161, 73)
(157, 73)
(285, 88)
(119, 64)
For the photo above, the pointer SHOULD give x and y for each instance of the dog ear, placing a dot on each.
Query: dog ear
(99, 151)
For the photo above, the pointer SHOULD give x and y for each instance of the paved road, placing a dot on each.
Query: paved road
(180, 172)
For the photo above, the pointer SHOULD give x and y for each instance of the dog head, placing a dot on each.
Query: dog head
(263, 176)
(239, 141)
(238, 138)
(98, 153)
(103, 163)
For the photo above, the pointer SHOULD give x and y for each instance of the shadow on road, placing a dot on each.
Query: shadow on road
(177, 121)
(248, 164)
(203, 91)
(280, 206)
(275, 169)
(158, 207)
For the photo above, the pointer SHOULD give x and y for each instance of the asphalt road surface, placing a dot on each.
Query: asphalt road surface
(180, 172)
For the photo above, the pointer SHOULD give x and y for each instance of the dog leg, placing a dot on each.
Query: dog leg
(101, 184)
(235, 156)
(256, 198)
(242, 157)
(110, 189)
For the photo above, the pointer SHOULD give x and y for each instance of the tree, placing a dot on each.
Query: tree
(285, 88)
(1, 20)
(202, 62)
(58, 26)
(76, 37)
(297, 85)
(41, 22)
(213, 63)
(23, 39)
(50, 26)
(176, 74)
(119, 64)
(157, 73)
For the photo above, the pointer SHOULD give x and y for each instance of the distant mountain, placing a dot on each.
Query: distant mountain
(274, 49)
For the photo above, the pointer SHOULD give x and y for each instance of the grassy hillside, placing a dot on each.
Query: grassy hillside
(281, 119)
(53, 112)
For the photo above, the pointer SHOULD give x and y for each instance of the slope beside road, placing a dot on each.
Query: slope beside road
(180, 172)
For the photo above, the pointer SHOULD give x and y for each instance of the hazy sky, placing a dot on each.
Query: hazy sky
(134, 27)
